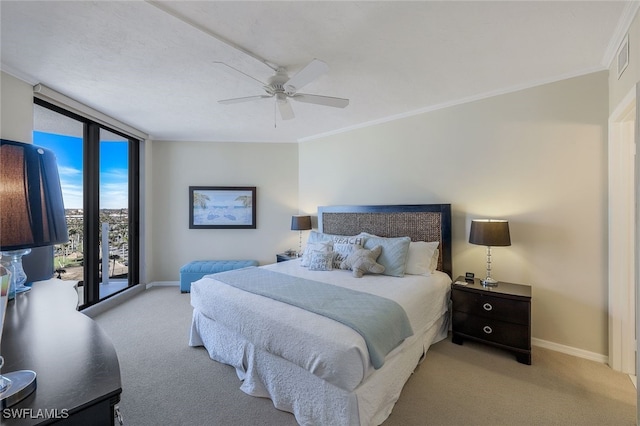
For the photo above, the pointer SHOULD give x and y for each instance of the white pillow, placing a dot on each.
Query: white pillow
(434, 260)
(422, 258)
(321, 246)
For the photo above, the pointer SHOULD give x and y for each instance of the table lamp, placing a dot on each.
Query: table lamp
(300, 223)
(31, 215)
(490, 233)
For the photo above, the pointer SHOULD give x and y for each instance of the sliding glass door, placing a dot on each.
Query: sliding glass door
(113, 212)
(99, 175)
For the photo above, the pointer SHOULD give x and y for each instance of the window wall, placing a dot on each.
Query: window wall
(98, 169)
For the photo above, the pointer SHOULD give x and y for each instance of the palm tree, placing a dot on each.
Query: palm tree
(114, 257)
(247, 200)
(200, 199)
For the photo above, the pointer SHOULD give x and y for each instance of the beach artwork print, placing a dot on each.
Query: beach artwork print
(222, 207)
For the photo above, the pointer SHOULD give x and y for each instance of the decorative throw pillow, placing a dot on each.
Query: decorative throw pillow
(321, 246)
(321, 261)
(341, 244)
(315, 236)
(363, 261)
(343, 239)
(342, 251)
(394, 252)
(420, 257)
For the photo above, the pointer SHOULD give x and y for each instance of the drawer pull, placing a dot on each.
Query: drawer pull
(487, 306)
(487, 329)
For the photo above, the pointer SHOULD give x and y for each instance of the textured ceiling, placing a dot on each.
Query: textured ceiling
(153, 65)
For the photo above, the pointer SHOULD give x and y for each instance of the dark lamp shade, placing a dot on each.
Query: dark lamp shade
(31, 207)
(300, 223)
(486, 232)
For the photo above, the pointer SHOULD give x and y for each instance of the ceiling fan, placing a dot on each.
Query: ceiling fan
(283, 88)
(279, 85)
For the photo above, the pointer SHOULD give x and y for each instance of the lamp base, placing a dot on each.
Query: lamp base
(489, 282)
(18, 276)
(17, 386)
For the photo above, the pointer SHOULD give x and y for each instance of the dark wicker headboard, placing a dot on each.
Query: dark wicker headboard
(420, 222)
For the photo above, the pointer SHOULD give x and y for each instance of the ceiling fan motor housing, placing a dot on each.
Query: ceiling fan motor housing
(277, 84)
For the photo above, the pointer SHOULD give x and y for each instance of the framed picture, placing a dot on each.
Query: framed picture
(222, 207)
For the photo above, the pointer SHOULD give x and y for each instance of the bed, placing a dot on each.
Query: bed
(315, 366)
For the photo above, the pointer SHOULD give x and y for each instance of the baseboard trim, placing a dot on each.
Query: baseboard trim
(580, 353)
(94, 310)
(164, 284)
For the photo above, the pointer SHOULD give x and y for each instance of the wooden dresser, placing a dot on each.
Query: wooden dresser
(78, 374)
(499, 316)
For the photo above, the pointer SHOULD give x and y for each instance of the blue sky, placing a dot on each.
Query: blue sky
(113, 169)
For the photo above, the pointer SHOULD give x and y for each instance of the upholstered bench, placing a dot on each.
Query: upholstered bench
(193, 271)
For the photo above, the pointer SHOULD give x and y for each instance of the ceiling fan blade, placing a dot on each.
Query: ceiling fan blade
(286, 112)
(306, 75)
(244, 99)
(321, 100)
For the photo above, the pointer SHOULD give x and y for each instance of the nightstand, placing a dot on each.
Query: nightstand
(498, 316)
(283, 257)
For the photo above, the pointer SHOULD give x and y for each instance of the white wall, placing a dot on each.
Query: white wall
(272, 168)
(537, 157)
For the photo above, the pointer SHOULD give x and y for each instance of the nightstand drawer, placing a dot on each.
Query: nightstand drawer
(489, 306)
(504, 333)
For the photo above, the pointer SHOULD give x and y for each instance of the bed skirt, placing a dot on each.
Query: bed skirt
(312, 400)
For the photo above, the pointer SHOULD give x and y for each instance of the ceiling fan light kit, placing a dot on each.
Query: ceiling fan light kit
(284, 88)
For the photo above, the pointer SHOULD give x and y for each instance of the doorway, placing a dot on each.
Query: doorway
(622, 236)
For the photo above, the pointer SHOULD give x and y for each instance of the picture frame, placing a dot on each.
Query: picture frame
(222, 207)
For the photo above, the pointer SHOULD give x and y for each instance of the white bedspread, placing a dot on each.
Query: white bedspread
(324, 347)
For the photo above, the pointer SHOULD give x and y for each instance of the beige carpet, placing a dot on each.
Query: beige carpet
(169, 383)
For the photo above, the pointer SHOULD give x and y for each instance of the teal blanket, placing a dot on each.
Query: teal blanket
(381, 322)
